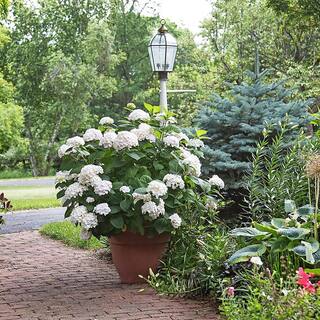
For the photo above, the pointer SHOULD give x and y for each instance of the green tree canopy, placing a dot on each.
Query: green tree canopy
(56, 75)
(288, 45)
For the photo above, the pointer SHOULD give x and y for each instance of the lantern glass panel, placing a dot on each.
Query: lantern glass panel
(162, 52)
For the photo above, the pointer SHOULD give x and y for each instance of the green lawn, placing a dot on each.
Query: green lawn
(31, 197)
(69, 234)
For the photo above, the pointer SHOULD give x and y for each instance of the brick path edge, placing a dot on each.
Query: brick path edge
(42, 279)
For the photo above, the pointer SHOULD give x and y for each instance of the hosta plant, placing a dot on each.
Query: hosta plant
(293, 234)
(142, 175)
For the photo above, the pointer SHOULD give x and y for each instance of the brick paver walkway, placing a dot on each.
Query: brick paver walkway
(41, 279)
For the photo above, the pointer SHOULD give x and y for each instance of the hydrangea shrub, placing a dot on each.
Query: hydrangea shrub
(141, 175)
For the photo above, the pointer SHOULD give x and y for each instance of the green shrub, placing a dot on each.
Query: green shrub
(277, 173)
(194, 263)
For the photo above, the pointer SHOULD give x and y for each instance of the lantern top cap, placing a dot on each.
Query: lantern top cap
(163, 28)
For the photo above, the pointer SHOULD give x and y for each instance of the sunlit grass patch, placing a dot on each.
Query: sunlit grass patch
(69, 234)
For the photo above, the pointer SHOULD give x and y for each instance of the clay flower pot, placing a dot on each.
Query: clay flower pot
(133, 254)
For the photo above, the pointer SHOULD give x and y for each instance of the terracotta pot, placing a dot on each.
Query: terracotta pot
(134, 254)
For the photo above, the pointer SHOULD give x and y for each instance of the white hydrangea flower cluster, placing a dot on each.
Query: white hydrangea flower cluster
(70, 146)
(89, 200)
(144, 132)
(138, 114)
(102, 209)
(63, 150)
(125, 140)
(92, 135)
(181, 136)
(171, 141)
(89, 177)
(196, 143)
(216, 181)
(78, 213)
(139, 196)
(101, 187)
(74, 190)
(192, 161)
(175, 220)
(163, 121)
(173, 181)
(125, 189)
(63, 176)
(106, 120)
(89, 173)
(81, 215)
(108, 138)
(75, 142)
(89, 221)
(157, 188)
(152, 209)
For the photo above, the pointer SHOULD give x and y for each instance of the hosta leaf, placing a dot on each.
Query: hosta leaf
(246, 253)
(293, 233)
(309, 256)
(280, 244)
(289, 206)
(265, 228)
(247, 232)
(305, 212)
(301, 249)
(316, 256)
(278, 222)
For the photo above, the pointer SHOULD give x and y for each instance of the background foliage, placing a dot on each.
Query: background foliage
(68, 72)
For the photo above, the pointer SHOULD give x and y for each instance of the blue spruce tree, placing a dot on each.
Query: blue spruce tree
(236, 121)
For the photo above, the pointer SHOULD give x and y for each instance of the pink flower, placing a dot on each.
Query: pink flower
(304, 280)
(230, 291)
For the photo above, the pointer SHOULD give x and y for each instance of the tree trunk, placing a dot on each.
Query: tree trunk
(47, 159)
(32, 152)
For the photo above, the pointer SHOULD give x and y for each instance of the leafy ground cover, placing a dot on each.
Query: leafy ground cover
(31, 197)
(69, 234)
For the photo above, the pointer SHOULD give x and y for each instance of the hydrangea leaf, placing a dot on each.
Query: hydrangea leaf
(117, 221)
